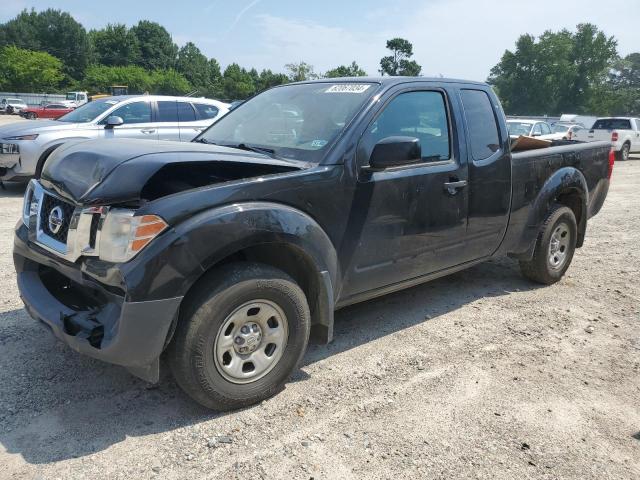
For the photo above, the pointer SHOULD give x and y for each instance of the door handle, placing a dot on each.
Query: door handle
(453, 187)
(148, 131)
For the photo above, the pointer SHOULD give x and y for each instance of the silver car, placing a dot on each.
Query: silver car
(25, 146)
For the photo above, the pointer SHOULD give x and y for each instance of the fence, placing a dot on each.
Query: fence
(34, 99)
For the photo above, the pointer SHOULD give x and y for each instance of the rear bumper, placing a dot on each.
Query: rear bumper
(93, 319)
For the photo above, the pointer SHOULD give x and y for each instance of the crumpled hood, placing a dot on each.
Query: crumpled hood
(110, 171)
(35, 126)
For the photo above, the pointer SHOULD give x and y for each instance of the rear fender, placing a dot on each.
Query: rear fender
(567, 180)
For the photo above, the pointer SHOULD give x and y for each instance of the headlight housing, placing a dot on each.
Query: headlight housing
(124, 235)
(33, 136)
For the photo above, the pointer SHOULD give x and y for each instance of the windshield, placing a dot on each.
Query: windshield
(557, 128)
(88, 112)
(518, 128)
(294, 121)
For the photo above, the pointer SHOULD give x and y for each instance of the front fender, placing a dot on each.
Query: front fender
(215, 234)
(562, 181)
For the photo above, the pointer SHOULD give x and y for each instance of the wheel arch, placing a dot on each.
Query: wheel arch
(566, 186)
(271, 234)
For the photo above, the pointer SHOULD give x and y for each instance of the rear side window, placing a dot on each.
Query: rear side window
(481, 122)
(206, 111)
(168, 112)
(545, 129)
(612, 124)
(186, 113)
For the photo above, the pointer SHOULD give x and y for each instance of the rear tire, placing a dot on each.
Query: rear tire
(242, 333)
(624, 152)
(554, 248)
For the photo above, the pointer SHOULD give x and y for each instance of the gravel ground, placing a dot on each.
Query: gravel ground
(478, 375)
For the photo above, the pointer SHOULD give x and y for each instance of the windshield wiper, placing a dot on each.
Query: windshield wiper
(203, 140)
(251, 148)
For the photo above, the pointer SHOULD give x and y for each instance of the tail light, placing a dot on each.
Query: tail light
(612, 160)
(614, 137)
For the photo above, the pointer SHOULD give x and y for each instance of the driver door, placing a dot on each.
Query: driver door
(410, 222)
(138, 122)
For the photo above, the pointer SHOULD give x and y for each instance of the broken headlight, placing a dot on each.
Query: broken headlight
(124, 235)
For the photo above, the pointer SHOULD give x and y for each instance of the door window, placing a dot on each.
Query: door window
(206, 111)
(422, 115)
(545, 129)
(168, 112)
(186, 113)
(138, 112)
(481, 123)
(537, 130)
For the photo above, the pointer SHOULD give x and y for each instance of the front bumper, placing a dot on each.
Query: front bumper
(92, 318)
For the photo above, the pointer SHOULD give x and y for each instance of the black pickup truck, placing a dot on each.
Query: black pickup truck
(230, 252)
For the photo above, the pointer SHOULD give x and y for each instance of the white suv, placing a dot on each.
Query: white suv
(16, 104)
(25, 146)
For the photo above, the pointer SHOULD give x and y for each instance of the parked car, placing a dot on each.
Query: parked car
(75, 99)
(564, 131)
(231, 251)
(52, 110)
(151, 117)
(622, 132)
(529, 128)
(11, 106)
(585, 121)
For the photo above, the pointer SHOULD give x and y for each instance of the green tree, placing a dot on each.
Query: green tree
(237, 83)
(157, 50)
(51, 31)
(269, 79)
(28, 71)
(558, 73)
(169, 82)
(195, 66)
(99, 78)
(399, 63)
(301, 71)
(115, 45)
(352, 70)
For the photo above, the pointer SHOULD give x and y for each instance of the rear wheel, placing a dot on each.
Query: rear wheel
(554, 249)
(624, 152)
(242, 334)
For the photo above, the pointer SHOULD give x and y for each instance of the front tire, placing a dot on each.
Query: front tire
(242, 334)
(554, 248)
(31, 116)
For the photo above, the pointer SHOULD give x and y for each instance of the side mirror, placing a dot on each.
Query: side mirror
(394, 152)
(114, 121)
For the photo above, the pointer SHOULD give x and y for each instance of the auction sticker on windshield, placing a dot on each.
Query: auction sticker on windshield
(347, 88)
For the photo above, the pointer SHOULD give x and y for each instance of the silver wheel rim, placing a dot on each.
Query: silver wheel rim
(625, 152)
(251, 341)
(559, 246)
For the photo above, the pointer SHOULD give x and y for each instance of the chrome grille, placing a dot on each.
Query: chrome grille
(49, 203)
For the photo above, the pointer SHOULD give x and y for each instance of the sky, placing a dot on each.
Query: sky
(453, 38)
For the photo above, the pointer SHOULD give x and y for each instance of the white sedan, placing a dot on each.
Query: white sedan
(530, 128)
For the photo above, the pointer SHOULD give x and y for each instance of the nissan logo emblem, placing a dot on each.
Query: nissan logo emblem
(56, 219)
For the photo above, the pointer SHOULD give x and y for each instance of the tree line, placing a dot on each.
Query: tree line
(49, 51)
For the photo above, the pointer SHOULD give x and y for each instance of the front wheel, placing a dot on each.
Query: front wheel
(31, 116)
(244, 331)
(554, 248)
